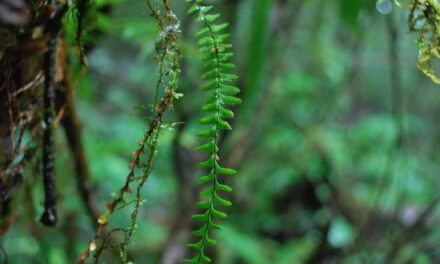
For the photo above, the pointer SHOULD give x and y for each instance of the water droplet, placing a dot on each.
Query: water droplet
(92, 246)
(384, 6)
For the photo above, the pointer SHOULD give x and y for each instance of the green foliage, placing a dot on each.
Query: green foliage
(256, 60)
(350, 10)
(429, 35)
(313, 155)
(86, 20)
(424, 19)
(216, 56)
(255, 250)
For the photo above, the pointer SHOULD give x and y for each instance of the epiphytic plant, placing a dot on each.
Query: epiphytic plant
(424, 19)
(216, 53)
(167, 56)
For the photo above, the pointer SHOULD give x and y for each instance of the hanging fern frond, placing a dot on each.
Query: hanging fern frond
(216, 55)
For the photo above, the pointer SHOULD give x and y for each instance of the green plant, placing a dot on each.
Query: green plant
(216, 55)
(167, 55)
(424, 19)
(216, 68)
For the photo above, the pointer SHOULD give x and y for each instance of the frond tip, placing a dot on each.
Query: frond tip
(218, 79)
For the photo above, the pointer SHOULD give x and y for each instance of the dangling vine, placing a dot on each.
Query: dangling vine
(167, 55)
(216, 68)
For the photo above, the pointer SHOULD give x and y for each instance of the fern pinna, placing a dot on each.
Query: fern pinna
(216, 68)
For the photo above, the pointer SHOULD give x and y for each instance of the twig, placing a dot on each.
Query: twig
(39, 79)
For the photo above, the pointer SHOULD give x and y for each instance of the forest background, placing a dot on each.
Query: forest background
(336, 141)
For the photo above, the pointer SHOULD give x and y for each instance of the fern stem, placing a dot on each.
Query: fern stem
(215, 154)
(53, 27)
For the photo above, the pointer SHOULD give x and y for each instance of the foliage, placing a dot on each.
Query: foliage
(336, 140)
(216, 54)
(424, 19)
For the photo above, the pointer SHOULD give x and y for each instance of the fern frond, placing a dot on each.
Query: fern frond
(216, 56)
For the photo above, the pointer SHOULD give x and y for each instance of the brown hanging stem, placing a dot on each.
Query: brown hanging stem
(53, 26)
(111, 206)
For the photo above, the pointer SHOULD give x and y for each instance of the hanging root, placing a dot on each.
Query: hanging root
(49, 216)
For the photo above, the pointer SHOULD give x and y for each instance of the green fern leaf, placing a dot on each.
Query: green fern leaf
(216, 73)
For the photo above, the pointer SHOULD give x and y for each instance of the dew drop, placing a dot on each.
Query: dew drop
(384, 6)
(92, 246)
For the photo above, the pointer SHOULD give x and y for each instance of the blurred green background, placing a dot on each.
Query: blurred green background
(336, 141)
